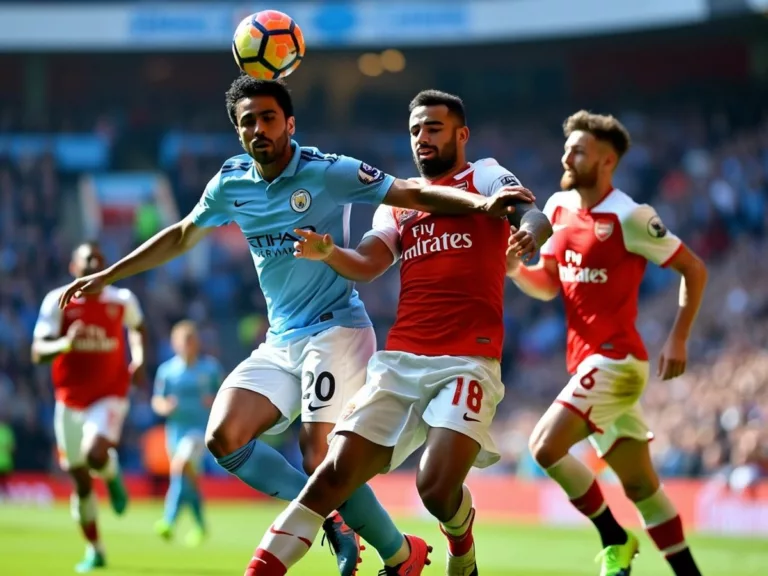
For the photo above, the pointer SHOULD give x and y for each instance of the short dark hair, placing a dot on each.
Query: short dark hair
(605, 128)
(245, 86)
(454, 104)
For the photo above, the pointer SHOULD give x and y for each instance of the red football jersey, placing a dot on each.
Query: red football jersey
(97, 365)
(601, 256)
(452, 272)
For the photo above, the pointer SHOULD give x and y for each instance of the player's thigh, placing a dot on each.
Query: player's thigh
(104, 419)
(630, 459)
(439, 477)
(333, 368)
(259, 396)
(68, 430)
(465, 394)
(387, 410)
(602, 391)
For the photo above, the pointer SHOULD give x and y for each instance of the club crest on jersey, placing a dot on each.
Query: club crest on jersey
(367, 174)
(301, 200)
(403, 215)
(656, 228)
(603, 230)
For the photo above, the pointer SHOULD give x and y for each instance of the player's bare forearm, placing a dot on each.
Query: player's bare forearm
(137, 343)
(434, 199)
(539, 281)
(362, 264)
(164, 246)
(533, 220)
(692, 285)
(45, 350)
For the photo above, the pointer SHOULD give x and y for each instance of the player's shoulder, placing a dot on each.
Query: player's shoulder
(236, 167)
(624, 207)
(117, 295)
(312, 159)
(487, 176)
(212, 363)
(565, 199)
(51, 299)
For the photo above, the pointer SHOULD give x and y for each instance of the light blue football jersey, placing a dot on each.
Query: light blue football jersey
(190, 385)
(314, 192)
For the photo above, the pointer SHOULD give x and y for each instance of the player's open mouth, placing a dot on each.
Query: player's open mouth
(425, 152)
(260, 145)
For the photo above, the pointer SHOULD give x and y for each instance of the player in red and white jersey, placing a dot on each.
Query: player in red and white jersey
(438, 381)
(91, 375)
(596, 257)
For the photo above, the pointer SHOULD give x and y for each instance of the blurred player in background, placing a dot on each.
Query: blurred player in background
(91, 377)
(320, 336)
(439, 380)
(597, 257)
(185, 387)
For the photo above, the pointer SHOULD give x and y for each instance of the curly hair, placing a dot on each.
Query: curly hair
(245, 86)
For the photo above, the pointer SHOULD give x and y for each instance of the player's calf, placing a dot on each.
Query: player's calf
(631, 460)
(440, 485)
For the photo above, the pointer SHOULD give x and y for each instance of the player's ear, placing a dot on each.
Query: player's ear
(463, 134)
(291, 123)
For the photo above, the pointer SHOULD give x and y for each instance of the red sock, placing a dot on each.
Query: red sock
(265, 563)
(668, 536)
(461, 544)
(90, 531)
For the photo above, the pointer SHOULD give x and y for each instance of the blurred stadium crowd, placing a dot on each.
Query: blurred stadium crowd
(706, 175)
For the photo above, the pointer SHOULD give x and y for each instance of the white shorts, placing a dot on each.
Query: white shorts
(190, 448)
(315, 376)
(605, 392)
(72, 426)
(406, 394)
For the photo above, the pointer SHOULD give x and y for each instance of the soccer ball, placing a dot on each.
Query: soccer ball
(268, 44)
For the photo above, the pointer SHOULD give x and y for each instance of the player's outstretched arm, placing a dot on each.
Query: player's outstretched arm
(161, 248)
(417, 195)
(540, 281)
(365, 263)
(673, 358)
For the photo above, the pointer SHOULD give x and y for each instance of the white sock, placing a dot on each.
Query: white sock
(662, 522)
(400, 556)
(292, 533)
(458, 525)
(577, 480)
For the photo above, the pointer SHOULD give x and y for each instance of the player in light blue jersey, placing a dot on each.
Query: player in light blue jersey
(185, 387)
(320, 337)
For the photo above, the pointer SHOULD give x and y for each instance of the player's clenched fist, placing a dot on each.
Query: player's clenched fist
(521, 247)
(312, 246)
(502, 203)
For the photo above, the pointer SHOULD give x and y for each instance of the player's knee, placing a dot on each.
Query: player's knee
(224, 438)
(437, 492)
(544, 449)
(97, 456)
(312, 460)
(639, 487)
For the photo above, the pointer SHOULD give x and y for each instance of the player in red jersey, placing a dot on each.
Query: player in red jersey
(438, 381)
(597, 257)
(86, 344)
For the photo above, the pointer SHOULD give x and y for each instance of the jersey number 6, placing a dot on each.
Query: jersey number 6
(474, 395)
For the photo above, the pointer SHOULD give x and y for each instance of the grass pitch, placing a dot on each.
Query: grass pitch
(36, 541)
